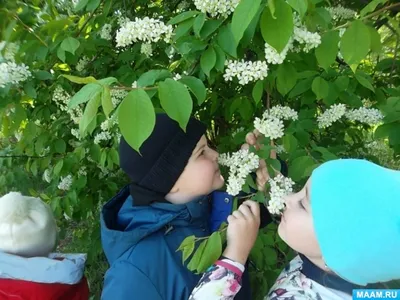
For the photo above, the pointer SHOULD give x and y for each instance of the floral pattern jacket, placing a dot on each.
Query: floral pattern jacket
(222, 281)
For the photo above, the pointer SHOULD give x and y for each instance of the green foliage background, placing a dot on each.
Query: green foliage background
(53, 36)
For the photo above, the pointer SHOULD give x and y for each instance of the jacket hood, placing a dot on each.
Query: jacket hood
(123, 224)
(57, 268)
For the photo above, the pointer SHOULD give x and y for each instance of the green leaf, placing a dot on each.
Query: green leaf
(60, 146)
(251, 29)
(300, 6)
(89, 115)
(183, 29)
(85, 94)
(320, 87)
(58, 167)
(194, 262)
(176, 101)
(183, 17)
(34, 168)
(301, 167)
(61, 54)
(301, 87)
(277, 31)
(150, 77)
(198, 23)
(286, 77)
(242, 17)
(271, 6)
(208, 60)
(106, 102)
(211, 253)
(81, 4)
(136, 118)
(376, 44)
(80, 80)
(258, 90)
(370, 7)
(226, 41)
(364, 82)
(221, 57)
(210, 27)
(259, 197)
(43, 75)
(357, 34)
(107, 81)
(114, 156)
(187, 247)
(196, 86)
(342, 82)
(30, 89)
(289, 143)
(328, 49)
(92, 5)
(70, 44)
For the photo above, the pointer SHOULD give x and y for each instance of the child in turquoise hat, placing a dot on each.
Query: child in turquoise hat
(345, 225)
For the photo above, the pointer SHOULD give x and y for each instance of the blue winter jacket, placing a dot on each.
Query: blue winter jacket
(140, 243)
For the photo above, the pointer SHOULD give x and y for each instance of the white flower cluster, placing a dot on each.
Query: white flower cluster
(331, 115)
(341, 13)
(11, 73)
(105, 32)
(75, 133)
(280, 149)
(82, 171)
(82, 63)
(147, 30)
(309, 39)
(65, 183)
(241, 164)
(61, 98)
(280, 187)
(283, 112)
(234, 133)
(271, 124)
(109, 123)
(117, 96)
(217, 7)
(246, 71)
(102, 136)
(381, 150)
(8, 50)
(178, 76)
(273, 57)
(370, 116)
(146, 49)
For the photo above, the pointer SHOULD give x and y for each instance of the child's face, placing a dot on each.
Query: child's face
(200, 177)
(296, 227)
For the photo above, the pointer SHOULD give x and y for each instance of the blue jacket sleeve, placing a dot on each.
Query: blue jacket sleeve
(125, 281)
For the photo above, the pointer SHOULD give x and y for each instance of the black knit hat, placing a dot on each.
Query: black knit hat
(164, 157)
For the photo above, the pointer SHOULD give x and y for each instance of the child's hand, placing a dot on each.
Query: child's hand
(242, 231)
(252, 139)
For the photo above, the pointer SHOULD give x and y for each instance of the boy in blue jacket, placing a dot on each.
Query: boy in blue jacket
(167, 200)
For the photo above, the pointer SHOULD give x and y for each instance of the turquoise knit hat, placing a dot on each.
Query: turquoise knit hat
(356, 214)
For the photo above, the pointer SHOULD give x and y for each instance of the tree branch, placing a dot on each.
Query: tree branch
(374, 14)
(30, 30)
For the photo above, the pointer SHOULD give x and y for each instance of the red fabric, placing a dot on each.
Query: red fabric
(25, 290)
